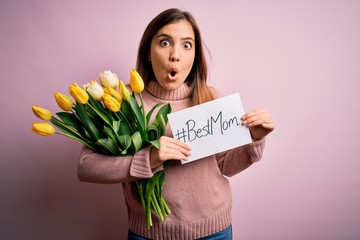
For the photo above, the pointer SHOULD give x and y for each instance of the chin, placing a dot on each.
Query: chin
(170, 86)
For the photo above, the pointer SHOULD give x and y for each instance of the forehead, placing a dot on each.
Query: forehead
(179, 29)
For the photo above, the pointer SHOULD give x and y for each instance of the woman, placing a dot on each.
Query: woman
(172, 63)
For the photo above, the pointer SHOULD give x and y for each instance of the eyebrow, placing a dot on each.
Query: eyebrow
(168, 36)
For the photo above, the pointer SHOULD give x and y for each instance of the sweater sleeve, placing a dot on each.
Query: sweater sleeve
(99, 168)
(235, 160)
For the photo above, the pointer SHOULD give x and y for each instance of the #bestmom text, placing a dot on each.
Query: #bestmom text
(213, 125)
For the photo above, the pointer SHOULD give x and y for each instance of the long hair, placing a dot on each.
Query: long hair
(198, 74)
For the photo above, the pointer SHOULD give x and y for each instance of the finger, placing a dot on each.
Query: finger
(171, 154)
(252, 113)
(177, 148)
(258, 120)
(170, 146)
(266, 117)
(251, 120)
(269, 126)
(180, 143)
(175, 144)
(255, 123)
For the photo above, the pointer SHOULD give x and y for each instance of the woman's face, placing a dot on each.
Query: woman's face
(172, 54)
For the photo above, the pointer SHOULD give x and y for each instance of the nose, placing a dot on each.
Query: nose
(174, 55)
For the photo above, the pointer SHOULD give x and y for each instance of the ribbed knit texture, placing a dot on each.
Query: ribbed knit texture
(182, 92)
(197, 193)
(256, 150)
(183, 231)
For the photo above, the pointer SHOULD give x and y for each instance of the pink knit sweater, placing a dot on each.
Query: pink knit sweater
(197, 193)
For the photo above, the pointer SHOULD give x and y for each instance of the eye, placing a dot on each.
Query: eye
(188, 45)
(165, 42)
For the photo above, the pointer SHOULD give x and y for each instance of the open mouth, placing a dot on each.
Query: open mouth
(172, 73)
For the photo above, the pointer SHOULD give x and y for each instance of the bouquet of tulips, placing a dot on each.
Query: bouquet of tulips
(110, 120)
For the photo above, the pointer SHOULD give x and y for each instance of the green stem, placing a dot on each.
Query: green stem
(75, 114)
(78, 139)
(143, 111)
(148, 214)
(139, 187)
(156, 206)
(116, 116)
(168, 211)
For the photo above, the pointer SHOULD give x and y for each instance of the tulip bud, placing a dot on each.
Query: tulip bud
(43, 129)
(136, 82)
(41, 113)
(125, 94)
(64, 102)
(107, 78)
(109, 90)
(78, 93)
(94, 89)
(111, 103)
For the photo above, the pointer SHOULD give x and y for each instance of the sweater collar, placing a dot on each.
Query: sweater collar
(182, 92)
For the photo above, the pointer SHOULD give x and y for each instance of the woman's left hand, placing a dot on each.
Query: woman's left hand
(259, 123)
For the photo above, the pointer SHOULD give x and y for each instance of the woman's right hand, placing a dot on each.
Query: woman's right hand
(170, 149)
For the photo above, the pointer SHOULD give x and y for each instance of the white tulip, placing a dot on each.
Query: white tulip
(94, 89)
(107, 78)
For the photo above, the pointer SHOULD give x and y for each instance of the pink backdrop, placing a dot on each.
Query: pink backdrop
(297, 59)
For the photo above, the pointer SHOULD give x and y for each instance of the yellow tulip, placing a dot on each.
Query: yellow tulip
(111, 103)
(43, 129)
(64, 102)
(41, 113)
(136, 82)
(94, 89)
(125, 94)
(109, 90)
(107, 78)
(78, 93)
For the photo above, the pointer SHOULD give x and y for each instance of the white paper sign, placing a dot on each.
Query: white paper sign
(211, 127)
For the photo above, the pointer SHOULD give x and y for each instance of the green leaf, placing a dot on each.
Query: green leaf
(161, 125)
(161, 181)
(126, 110)
(148, 116)
(99, 108)
(163, 111)
(155, 143)
(125, 142)
(124, 128)
(108, 145)
(153, 133)
(116, 126)
(71, 120)
(95, 106)
(139, 118)
(109, 132)
(71, 133)
(136, 141)
(88, 124)
(64, 127)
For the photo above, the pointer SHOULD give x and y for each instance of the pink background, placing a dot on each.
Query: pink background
(297, 59)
